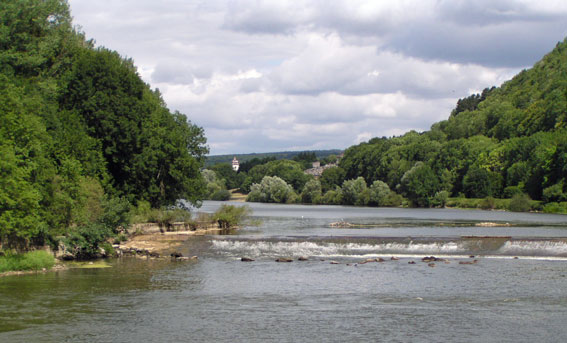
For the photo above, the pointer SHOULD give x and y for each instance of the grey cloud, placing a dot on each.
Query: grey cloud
(266, 75)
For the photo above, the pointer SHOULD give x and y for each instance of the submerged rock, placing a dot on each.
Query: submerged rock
(468, 262)
(246, 259)
(186, 258)
(284, 259)
(432, 259)
(176, 254)
(411, 262)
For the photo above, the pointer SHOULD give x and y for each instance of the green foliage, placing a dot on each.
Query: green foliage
(506, 140)
(78, 126)
(311, 193)
(420, 184)
(306, 159)
(84, 243)
(555, 193)
(230, 216)
(556, 207)
(440, 199)
(520, 203)
(379, 193)
(215, 186)
(289, 171)
(355, 192)
(247, 165)
(488, 203)
(333, 197)
(479, 183)
(231, 178)
(116, 214)
(271, 189)
(331, 178)
(108, 249)
(221, 195)
(33, 260)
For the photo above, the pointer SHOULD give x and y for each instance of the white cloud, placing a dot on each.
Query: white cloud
(280, 75)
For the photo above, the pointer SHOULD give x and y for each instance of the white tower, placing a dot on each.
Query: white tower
(235, 164)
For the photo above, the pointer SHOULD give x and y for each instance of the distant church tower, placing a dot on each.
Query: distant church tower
(235, 164)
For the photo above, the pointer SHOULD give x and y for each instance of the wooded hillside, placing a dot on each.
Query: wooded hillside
(82, 137)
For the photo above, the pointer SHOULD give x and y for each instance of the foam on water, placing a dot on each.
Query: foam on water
(506, 249)
(319, 249)
(534, 248)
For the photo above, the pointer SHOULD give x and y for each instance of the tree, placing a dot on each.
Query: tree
(311, 193)
(233, 179)
(379, 193)
(419, 184)
(355, 192)
(480, 183)
(271, 189)
(331, 178)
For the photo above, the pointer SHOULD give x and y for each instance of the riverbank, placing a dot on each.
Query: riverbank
(150, 239)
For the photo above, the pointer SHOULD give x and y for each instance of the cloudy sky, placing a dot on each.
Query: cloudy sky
(274, 75)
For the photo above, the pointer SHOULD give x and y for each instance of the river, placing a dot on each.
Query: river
(515, 292)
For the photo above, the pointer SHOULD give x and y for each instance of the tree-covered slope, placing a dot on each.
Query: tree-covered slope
(507, 140)
(80, 132)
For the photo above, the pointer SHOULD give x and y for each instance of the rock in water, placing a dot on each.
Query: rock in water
(303, 258)
(284, 259)
(246, 259)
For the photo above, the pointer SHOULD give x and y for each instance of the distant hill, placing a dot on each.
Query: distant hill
(505, 142)
(288, 155)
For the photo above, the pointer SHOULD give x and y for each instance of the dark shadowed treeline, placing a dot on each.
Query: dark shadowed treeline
(82, 137)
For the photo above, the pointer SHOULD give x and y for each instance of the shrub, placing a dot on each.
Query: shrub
(419, 184)
(108, 249)
(221, 195)
(379, 193)
(555, 207)
(488, 203)
(33, 260)
(510, 191)
(333, 197)
(311, 193)
(116, 213)
(520, 203)
(271, 189)
(229, 215)
(440, 199)
(85, 242)
(355, 192)
(554, 193)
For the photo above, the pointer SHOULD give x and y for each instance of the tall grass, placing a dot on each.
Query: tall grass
(33, 260)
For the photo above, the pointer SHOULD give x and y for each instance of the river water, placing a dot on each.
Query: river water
(515, 292)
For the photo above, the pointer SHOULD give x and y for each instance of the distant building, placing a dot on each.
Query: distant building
(316, 164)
(235, 164)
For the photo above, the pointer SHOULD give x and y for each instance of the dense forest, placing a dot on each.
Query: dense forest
(509, 142)
(83, 139)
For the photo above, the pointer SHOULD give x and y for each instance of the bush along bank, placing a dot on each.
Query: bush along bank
(94, 241)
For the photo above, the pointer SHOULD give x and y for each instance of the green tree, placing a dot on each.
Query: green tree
(311, 193)
(419, 185)
(271, 189)
(355, 192)
(331, 178)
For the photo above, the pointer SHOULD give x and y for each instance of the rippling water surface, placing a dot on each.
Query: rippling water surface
(515, 292)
